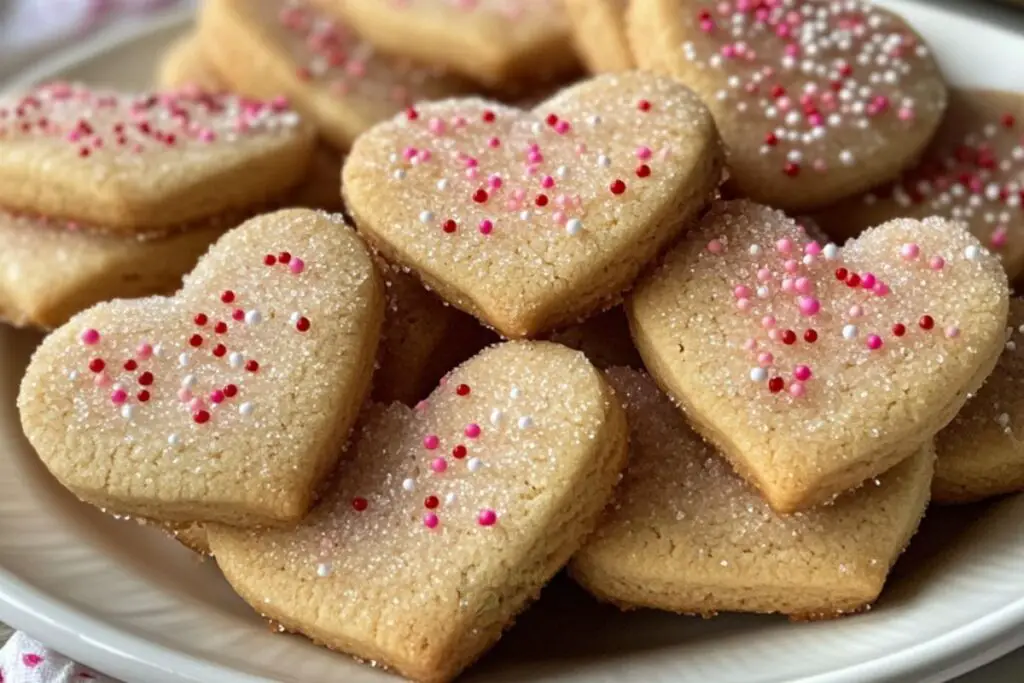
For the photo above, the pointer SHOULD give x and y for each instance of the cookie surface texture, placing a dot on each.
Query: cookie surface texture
(50, 271)
(228, 402)
(531, 220)
(185, 64)
(132, 164)
(447, 520)
(981, 453)
(973, 171)
(499, 43)
(265, 48)
(599, 33)
(685, 534)
(813, 368)
(807, 113)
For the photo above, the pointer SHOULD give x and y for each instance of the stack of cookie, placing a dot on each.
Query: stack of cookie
(754, 428)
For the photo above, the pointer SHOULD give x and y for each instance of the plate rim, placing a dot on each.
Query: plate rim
(117, 651)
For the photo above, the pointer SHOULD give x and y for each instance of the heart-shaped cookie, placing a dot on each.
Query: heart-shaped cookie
(599, 34)
(186, 64)
(981, 452)
(815, 100)
(229, 401)
(264, 48)
(531, 220)
(814, 368)
(500, 43)
(973, 171)
(685, 534)
(145, 163)
(446, 520)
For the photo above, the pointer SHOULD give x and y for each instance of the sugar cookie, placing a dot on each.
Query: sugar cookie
(145, 163)
(814, 368)
(981, 453)
(685, 534)
(811, 109)
(604, 338)
(500, 43)
(533, 220)
(185, 63)
(973, 171)
(446, 520)
(229, 401)
(267, 47)
(49, 270)
(599, 33)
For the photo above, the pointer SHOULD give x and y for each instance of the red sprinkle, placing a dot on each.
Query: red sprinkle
(146, 378)
(201, 416)
(542, 200)
(791, 169)
(480, 196)
(810, 336)
(228, 296)
(252, 366)
(643, 105)
(359, 503)
(551, 119)
(1008, 120)
(269, 260)
(219, 350)
(221, 327)
(853, 280)
(97, 365)
(899, 329)
(841, 273)
(450, 226)
(238, 314)
(284, 257)
(412, 114)
(489, 116)
(201, 319)
(789, 337)
(130, 365)
(775, 385)
(431, 502)
(618, 187)
(143, 396)
(302, 325)
(462, 390)
(195, 340)
(459, 452)
(926, 322)
(643, 171)
(230, 390)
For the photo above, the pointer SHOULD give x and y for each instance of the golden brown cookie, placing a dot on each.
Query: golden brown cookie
(268, 47)
(446, 520)
(981, 453)
(147, 163)
(973, 171)
(531, 220)
(500, 43)
(813, 368)
(599, 33)
(685, 534)
(815, 101)
(228, 402)
(186, 64)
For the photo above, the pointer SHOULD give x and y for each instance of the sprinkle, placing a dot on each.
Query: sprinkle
(128, 412)
(874, 342)
(430, 520)
(496, 416)
(323, 569)
(359, 503)
(849, 332)
(474, 464)
(246, 408)
(972, 252)
(253, 317)
(439, 465)
(89, 337)
(525, 422)
(487, 517)
(472, 430)
(173, 440)
(758, 374)
(431, 442)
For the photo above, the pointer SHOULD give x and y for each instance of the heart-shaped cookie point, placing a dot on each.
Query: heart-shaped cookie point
(147, 163)
(981, 452)
(532, 220)
(264, 48)
(185, 64)
(228, 402)
(815, 101)
(446, 519)
(685, 534)
(813, 368)
(599, 34)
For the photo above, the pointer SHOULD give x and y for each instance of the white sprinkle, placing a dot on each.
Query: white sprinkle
(849, 332)
(399, 174)
(409, 484)
(762, 292)
(525, 422)
(573, 226)
(537, 128)
(846, 157)
(594, 120)
(158, 350)
(758, 374)
(831, 252)
(245, 408)
(294, 318)
(524, 215)
(496, 416)
(474, 464)
(73, 375)
(755, 249)
(253, 317)
(562, 171)
(127, 412)
(1003, 419)
(323, 569)
(515, 392)
(449, 499)
(426, 217)
(183, 360)
(442, 184)
(972, 252)
(173, 440)
(188, 381)
(604, 161)
(235, 359)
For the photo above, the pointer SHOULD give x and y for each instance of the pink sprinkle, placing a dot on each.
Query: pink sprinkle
(494, 181)
(486, 226)
(868, 281)
(31, 660)
(472, 430)
(643, 153)
(952, 331)
(765, 359)
(436, 126)
(144, 351)
(874, 342)
(473, 173)
(216, 396)
(750, 344)
(430, 520)
(741, 292)
(906, 114)
(487, 517)
(809, 305)
(937, 263)
(998, 237)
(715, 247)
(910, 251)
(90, 337)
(797, 390)
(804, 285)
(207, 135)
(196, 404)
(562, 127)
(494, 142)
(743, 304)
(728, 51)
(768, 322)
(773, 334)
(802, 373)
(881, 289)
(547, 182)
(812, 249)
(102, 379)
(430, 442)
(439, 465)
(764, 275)
(790, 266)
(788, 285)
(421, 406)
(296, 265)
(119, 397)
(785, 245)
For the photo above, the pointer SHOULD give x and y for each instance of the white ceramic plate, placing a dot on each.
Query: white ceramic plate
(132, 603)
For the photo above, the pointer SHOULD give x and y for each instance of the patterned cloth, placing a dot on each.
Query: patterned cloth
(23, 660)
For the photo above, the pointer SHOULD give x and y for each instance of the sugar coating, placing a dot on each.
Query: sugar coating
(419, 565)
(185, 63)
(50, 270)
(528, 220)
(145, 163)
(268, 47)
(500, 43)
(686, 534)
(599, 33)
(981, 453)
(227, 402)
(811, 367)
(973, 171)
(815, 100)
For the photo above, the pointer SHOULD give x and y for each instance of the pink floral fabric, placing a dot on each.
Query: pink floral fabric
(23, 660)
